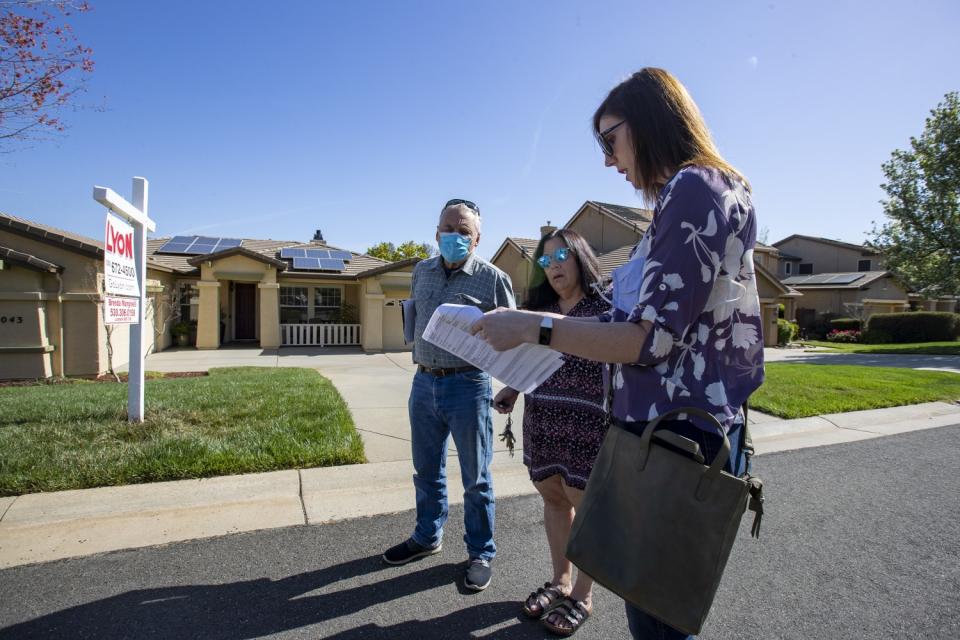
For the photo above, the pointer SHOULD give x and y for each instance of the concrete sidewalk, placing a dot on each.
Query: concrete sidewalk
(49, 526)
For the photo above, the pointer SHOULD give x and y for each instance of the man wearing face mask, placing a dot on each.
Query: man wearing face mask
(452, 398)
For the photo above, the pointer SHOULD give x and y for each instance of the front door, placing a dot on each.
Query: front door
(245, 298)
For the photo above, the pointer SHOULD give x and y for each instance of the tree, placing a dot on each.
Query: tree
(409, 249)
(42, 66)
(921, 241)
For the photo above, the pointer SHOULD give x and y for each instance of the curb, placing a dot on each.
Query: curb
(43, 527)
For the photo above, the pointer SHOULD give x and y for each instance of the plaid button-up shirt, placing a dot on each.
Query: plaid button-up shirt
(477, 283)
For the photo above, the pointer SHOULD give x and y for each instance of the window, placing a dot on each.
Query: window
(293, 305)
(863, 265)
(189, 301)
(806, 268)
(788, 268)
(327, 302)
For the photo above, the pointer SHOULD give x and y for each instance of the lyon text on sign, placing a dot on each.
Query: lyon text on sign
(120, 271)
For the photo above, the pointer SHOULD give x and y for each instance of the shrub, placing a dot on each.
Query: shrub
(781, 310)
(786, 331)
(918, 326)
(874, 336)
(847, 335)
(845, 324)
(821, 326)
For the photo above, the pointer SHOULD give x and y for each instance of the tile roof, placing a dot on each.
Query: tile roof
(359, 264)
(802, 281)
(613, 259)
(51, 235)
(6, 253)
(837, 243)
(639, 217)
(59, 237)
(529, 245)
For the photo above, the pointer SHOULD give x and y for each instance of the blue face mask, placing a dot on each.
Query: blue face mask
(454, 247)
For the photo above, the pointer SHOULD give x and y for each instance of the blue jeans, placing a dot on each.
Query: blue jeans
(642, 625)
(457, 405)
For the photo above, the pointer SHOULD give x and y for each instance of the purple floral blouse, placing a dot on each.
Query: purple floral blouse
(692, 276)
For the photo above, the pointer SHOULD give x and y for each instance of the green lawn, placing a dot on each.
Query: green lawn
(801, 390)
(924, 348)
(236, 420)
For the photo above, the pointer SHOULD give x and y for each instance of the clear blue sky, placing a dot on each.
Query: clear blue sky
(272, 119)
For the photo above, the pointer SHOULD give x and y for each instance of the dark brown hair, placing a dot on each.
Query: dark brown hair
(668, 131)
(541, 293)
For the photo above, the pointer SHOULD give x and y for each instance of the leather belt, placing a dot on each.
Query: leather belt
(449, 371)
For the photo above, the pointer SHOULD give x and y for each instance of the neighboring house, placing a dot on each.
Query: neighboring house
(844, 279)
(247, 291)
(50, 312)
(612, 231)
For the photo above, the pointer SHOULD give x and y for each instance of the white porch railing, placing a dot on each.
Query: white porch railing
(319, 335)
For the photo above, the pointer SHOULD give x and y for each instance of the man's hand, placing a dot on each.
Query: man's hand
(505, 328)
(505, 400)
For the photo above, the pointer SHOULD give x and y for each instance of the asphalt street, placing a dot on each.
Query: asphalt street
(860, 540)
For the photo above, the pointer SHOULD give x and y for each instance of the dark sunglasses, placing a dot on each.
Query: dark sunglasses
(601, 136)
(560, 255)
(454, 202)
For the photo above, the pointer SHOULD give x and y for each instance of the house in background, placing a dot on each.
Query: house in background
(267, 293)
(844, 279)
(612, 231)
(276, 293)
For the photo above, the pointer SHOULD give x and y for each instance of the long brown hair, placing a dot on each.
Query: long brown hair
(668, 130)
(542, 295)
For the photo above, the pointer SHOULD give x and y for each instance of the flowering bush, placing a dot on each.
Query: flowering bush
(848, 335)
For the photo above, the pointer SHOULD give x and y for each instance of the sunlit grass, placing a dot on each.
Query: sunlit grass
(236, 420)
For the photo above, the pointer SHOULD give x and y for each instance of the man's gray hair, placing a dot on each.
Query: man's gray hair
(476, 214)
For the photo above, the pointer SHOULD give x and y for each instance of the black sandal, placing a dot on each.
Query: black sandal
(575, 612)
(542, 601)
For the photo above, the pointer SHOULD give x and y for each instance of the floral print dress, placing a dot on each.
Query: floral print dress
(563, 419)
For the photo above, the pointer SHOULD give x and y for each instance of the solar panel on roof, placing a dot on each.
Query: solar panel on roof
(318, 264)
(288, 253)
(322, 254)
(332, 265)
(346, 256)
(845, 278)
(177, 244)
(198, 245)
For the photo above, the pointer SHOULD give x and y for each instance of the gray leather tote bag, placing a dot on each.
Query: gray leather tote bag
(656, 526)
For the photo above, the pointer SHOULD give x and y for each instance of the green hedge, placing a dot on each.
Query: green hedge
(917, 326)
(786, 331)
(845, 324)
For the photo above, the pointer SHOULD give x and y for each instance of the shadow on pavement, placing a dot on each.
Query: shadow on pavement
(465, 623)
(257, 608)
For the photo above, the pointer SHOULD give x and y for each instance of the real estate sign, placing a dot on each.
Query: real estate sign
(119, 268)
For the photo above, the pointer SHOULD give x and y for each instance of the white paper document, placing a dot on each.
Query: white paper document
(523, 368)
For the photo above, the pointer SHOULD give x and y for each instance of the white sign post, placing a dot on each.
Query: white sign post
(126, 247)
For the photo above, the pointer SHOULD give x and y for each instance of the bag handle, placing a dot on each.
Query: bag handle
(719, 461)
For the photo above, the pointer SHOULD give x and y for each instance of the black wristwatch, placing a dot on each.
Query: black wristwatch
(546, 330)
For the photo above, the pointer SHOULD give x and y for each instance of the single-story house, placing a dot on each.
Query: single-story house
(269, 293)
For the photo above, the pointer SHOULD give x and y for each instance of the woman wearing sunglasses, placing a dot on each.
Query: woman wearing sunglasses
(563, 424)
(685, 329)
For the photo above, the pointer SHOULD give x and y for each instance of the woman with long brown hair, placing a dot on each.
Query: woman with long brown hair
(563, 424)
(685, 328)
